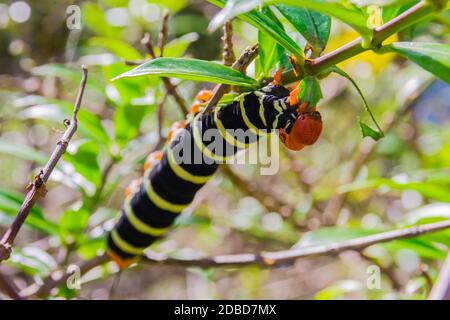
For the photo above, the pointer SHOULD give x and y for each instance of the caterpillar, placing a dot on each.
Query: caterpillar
(190, 158)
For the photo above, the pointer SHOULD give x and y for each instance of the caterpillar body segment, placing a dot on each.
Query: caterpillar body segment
(189, 160)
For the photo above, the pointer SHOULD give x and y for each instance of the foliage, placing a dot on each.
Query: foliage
(405, 180)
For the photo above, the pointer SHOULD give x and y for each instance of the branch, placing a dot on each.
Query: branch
(269, 201)
(37, 188)
(441, 290)
(170, 87)
(264, 259)
(240, 64)
(9, 288)
(365, 151)
(315, 66)
(228, 53)
(269, 259)
(162, 38)
(59, 277)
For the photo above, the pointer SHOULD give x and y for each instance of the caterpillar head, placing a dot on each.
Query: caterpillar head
(304, 132)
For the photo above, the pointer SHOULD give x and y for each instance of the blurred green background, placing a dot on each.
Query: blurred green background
(404, 180)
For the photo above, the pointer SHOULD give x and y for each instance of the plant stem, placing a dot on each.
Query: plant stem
(313, 67)
(37, 187)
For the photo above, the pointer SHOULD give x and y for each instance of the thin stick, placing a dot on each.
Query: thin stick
(240, 64)
(228, 53)
(171, 88)
(162, 38)
(8, 287)
(416, 13)
(37, 188)
(264, 259)
(365, 151)
(441, 290)
(269, 259)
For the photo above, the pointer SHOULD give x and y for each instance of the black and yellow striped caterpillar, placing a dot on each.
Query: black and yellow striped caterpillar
(173, 176)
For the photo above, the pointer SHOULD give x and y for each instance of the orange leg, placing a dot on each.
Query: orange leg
(302, 108)
(195, 107)
(293, 96)
(204, 95)
(277, 77)
(121, 263)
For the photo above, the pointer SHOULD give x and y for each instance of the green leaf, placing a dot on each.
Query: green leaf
(118, 47)
(393, 10)
(191, 69)
(89, 125)
(366, 130)
(314, 26)
(266, 25)
(270, 52)
(347, 13)
(84, 160)
(310, 91)
(433, 57)
(22, 151)
(369, 132)
(429, 190)
(10, 204)
(127, 120)
(337, 234)
(74, 221)
(33, 261)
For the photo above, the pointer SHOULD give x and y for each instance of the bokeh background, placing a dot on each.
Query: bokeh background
(342, 187)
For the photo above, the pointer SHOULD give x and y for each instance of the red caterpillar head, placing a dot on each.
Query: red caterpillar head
(305, 132)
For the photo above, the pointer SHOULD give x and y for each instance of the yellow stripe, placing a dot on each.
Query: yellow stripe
(182, 173)
(125, 246)
(201, 146)
(261, 107)
(226, 135)
(277, 107)
(141, 226)
(275, 122)
(158, 200)
(247, 121)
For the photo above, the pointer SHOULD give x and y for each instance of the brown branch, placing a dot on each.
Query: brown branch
(269, 201)
(240, 64)
(37, 188)
(441, 289)
(9, 288)
(416, 13)
(170, 87)
(59, 277)
(162, 37)
(364, 153)
(228, 53)
(264, 259)
(268, 259)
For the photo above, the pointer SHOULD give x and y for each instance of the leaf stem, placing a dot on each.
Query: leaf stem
(314, 67)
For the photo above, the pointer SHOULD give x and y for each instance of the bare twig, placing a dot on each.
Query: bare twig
(37, 188)
(162, 38)
(268, 259)
(365, 151)
(8, 287)
(240, 64)
(228, 52)
(270, 201)
(264, 259)
(441, 289)
(170, 87)
(416, 13)
(60, 277)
